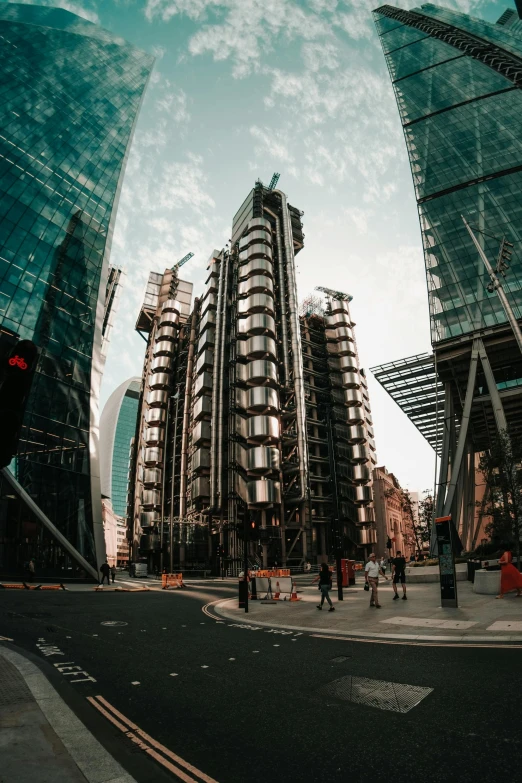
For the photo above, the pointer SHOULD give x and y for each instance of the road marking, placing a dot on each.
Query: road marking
(231, 659)
(422, 622)
(255, 651)
(173, 674)
(141, 738)
(204, 667)
(275, 645)
(5, 639)
(114, 623)
(135, 683)
(506, 625)
(393, 696)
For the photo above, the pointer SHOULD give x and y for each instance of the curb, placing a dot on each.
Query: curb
(432, 640)
(91, 758)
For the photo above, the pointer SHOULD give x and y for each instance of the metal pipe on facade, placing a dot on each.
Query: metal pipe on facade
(221, 381)
(186, 417)
(215, 382)
(297, 356)
(282, 300)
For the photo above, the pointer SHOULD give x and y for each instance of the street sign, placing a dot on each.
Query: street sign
(448, 576)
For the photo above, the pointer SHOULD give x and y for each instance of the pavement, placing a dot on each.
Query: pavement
(40, 737)
(420, 619)
(173, 694)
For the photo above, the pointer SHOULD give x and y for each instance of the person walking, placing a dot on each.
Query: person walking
(105, 571)
(31, 568)
(325, 584)
(371, 575)
(383, 565)
(399, 575)
(510, 577)
(113, 573)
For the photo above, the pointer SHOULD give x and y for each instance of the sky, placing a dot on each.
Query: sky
(245, 88)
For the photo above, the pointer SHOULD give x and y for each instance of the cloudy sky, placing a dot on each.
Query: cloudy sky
(244, 88)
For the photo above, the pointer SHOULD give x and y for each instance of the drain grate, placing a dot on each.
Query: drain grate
(393, 696)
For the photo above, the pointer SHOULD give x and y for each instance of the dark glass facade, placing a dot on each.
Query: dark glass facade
(462, 122)
(70, 93)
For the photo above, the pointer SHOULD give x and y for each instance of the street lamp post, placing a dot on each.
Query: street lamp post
(171, 519)
(496, 283)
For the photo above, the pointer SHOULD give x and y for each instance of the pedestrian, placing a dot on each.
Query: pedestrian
(510, 577)
(113, 573)
(371, 575)
(324, 578)
(31, 568)
(105, 570)
(399, 575)
(383, 565)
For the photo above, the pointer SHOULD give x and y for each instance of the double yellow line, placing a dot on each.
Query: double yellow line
(145, 742)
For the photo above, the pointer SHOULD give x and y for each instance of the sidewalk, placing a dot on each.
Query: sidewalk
(478, 619)
(41, 739)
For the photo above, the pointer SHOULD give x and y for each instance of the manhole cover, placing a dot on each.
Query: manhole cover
(394, 696)
(114, 623)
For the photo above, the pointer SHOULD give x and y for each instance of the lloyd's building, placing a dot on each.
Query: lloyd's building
(70, 96)
(458, 84)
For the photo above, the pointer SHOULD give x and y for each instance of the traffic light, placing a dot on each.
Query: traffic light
(504, 257)
(16, 375)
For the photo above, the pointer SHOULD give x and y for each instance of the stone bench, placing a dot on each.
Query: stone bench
(423, 574)
(487, 582)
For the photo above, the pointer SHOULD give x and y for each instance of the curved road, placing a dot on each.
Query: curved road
(218, 701)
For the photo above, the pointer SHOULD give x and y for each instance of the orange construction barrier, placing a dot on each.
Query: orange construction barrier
(293, 595)
(172, 580)
(14, 587)
(272, 572)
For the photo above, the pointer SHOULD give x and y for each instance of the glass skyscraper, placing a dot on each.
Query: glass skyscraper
(117, 428)
(455, 80)
(70, 93)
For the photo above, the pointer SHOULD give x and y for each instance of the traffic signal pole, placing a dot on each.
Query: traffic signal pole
(246, 528)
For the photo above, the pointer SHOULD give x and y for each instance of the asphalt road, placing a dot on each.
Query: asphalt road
(247, 705)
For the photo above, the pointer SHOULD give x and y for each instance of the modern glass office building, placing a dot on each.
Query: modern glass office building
(117, 428)
(70, 93)
(457, 80)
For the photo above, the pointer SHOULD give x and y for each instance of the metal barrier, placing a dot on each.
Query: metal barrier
(25, 586)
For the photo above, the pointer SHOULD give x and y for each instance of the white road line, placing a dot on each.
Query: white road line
(204, 667)
(135, 683)
(173, 674)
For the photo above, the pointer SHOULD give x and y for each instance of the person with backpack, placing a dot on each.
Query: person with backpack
(325, 584)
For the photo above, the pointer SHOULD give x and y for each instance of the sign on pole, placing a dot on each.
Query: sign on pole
(448, 576)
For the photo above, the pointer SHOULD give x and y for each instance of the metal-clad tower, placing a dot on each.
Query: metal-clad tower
(269, 420)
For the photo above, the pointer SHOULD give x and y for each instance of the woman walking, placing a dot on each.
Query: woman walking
(510, 577)
(325, 584)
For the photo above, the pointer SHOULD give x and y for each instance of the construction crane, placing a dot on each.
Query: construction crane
(334, 294)
(274, 181)
(183, 261)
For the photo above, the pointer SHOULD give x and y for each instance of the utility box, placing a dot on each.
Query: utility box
(348, 571)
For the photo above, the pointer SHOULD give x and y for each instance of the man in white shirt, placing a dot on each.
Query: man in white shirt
(371, 575)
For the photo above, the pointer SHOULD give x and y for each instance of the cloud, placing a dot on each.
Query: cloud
(158, 51)
(271, 143)
(166, 9)
(184, 184)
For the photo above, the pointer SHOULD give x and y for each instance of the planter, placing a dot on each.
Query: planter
(487, 582)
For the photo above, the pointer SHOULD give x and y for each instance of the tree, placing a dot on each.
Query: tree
(501, 467)
(425, 516)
